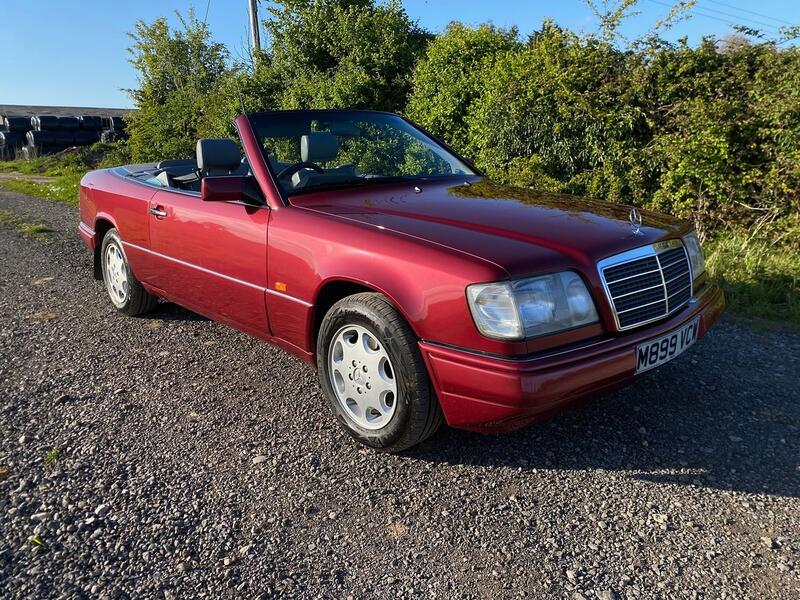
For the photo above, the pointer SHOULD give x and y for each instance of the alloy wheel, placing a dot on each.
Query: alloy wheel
(362, 377)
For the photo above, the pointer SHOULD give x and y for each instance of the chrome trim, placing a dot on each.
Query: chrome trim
(637, 275)
(86, 228)
(619, 312)
(288, 297)
(652, 287)
(210, 272)
(635, 217)
(652, 250)
(669, 280)
(193, 266)
(679, 291)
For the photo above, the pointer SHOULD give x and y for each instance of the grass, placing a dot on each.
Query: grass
(52, 456)
(35, 229)
(67, 168)
(64, 188)
(761, 279)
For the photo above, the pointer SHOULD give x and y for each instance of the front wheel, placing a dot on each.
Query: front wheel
(373, 375)
(124, 290)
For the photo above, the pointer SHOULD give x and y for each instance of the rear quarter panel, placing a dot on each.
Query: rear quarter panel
(107, 196)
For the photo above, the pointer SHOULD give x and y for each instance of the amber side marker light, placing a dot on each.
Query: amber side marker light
(280, 286)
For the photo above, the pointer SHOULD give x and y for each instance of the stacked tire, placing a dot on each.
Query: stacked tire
(89, 128)
(52, 134)
(12, 135)
(10, 143)
(18, 124)
(113, 130)
(46, 134)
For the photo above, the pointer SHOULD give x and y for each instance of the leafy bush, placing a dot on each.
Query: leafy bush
(343, 53)
(725, 148)
(558, 114)
(451, 77)
(324, 54)
(708, 133)
(178, 72)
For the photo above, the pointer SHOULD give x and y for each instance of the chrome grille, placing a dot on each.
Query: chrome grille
(647, 283)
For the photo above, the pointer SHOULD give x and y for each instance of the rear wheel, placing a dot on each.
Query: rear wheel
(373, 375)
(125, 291)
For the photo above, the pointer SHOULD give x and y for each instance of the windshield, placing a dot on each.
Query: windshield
(315, 150)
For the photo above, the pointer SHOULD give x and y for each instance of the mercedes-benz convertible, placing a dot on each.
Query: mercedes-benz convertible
(419, 289)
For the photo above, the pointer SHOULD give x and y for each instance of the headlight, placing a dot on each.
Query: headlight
(695, 252)
(527, 308)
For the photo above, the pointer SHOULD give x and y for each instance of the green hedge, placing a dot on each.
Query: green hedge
(710, 132)
(697, 132)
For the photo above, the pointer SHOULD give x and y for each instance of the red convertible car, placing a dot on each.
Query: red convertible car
(420, 290)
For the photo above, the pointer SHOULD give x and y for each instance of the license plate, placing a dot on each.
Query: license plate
(663, 349)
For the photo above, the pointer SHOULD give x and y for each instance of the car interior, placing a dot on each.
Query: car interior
(307, 153)
(315, 147)
(214, 157)
(223, 157)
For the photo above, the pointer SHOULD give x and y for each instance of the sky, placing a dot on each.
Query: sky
(65, 53)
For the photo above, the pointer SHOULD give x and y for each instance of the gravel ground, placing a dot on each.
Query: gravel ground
(173, 457)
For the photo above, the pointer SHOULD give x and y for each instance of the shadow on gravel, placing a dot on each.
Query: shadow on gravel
(717, 418)
(172, 312)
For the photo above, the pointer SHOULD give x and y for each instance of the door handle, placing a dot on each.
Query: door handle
(158, 213)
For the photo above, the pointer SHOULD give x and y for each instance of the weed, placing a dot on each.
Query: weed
(33, 228)
(760, 278)
(52, 456)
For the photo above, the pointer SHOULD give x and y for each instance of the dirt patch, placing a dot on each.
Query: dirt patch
(24, 177)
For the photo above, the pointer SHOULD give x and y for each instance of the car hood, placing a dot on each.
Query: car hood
(520, 230)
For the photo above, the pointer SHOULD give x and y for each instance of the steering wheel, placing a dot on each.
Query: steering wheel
(292, 169)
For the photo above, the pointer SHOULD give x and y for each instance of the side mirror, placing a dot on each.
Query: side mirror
(227, 188)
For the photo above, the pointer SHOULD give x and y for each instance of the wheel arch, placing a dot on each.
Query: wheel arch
(332, 290)
(102, 225)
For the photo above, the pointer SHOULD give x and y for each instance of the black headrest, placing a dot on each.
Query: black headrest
(220, 155)
(318, 146)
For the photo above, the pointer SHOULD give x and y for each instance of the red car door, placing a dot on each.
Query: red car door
(211, 257)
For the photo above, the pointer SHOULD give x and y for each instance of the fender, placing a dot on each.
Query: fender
(425, 282)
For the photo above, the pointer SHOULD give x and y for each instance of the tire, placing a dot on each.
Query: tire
(63, 138)
(40, 138)
(408, 416)
(91, 122)
(126, 293)
(11, 139)
(45, 122)
(85, 138)
(22, 124)
(68, 123)
(118, 124)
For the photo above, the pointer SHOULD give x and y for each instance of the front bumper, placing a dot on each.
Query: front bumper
(491, 393)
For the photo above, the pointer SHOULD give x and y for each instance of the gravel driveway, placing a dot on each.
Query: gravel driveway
(173, 457)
